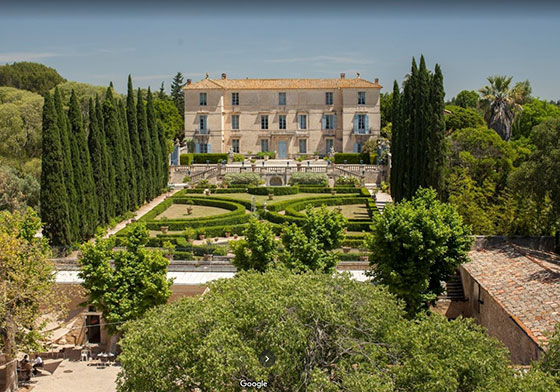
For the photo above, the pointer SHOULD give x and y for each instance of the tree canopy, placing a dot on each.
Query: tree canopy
(327, 332)
(532, 114)
(460, 118)
(34, 77)
(466, 99)
(258, 249)
(415, 245)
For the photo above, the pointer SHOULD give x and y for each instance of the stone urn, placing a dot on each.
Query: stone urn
(346, 249)
(189, 210)
(201, 236)
(164, 229)
(333, 192)
(271, 196)
(364, 258)
(339, 209)
(208, 257)
(235, 236)
(227, 234)
(298, 166)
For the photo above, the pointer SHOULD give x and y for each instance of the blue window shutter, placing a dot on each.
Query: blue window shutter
(209, 147)
(356, 147)
(355, 123)
(197, 148)
(323, 122)
(334, 125)
(367, 123)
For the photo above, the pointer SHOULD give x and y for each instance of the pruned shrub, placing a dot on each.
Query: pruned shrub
(347, 181)
(210, 158)
(242, 178)
(185, 159)
(309, 179)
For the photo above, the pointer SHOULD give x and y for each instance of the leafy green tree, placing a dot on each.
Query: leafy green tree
(416, 245)
(145, 144)
(26, 283)
(54, 196)
(308, 247)
(34, 77)
(534, 112)
(157, 164)
(82, 171)
(259, 248)
(460, 118)
(328, 333)
(418, 132)
(136, 149)
(466, 99)
(113, 136)
(137, 282)
(500, 102)
(20, 123)
(173, 123)
(19, 191)
(177, 94)
(386, 108)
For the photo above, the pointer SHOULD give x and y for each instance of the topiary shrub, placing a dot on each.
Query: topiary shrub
(238, 157)
(242, 179)
(210, 158)
(270, 154)
(185, 159)
(309, 179)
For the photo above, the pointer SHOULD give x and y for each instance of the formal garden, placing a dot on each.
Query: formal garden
(200, 221)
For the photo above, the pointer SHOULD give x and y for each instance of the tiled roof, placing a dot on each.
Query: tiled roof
(526, 283)
(280, 84)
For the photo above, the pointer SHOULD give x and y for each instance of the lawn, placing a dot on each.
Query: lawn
(179, 211)
(259, 199)
(352, 211)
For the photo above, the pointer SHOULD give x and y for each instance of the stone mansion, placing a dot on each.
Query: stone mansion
(292, 117)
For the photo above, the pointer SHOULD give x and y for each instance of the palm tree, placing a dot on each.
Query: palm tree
(500, 103)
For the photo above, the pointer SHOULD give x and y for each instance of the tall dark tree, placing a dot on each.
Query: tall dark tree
(54, 198)
(130, 167)
(145, 144)
(82, 171)
(136, 149)
(109, 168)
(63, 128)
(115, 150)
(161, 93)
(157, 165)
(98, 159)
(177, 93)
(418, 132)
(164, 156)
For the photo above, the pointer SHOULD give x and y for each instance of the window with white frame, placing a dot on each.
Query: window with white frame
(302, 121)
(281, 98)
(330, 121)
(361, 97)
(302, 146)
(202, 99)
(264, 145)
(281, 121)
(329, 98)
(235, 121)
(235, 145)
(362, 122)
(264, 121)
(203, 148)
(235, 99)
(203, 122)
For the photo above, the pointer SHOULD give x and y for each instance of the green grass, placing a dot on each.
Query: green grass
(260, 199)
(352, 211)
(179, 211)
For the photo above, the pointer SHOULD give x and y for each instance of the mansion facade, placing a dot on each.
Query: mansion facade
(291, 117)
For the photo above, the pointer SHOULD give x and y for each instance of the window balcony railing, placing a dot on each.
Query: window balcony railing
(362, 131)
(201, 132)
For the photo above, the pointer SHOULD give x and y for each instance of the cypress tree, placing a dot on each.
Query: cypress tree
(96, 146)
(423, 125)
(136, 150)
(82, 162)
(109, 168)
(130, 168)
(53, 194)
(397, 153)
(115, 150)
(177, 93)
(62, 122)
(157, 165)
(81, 228)
(436, 141)
(164, 156)
(145, 144)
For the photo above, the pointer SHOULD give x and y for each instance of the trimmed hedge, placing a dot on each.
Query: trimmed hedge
(354, 158)
(347, 181)
(246, 178)
(210, 157)
(295, 208)
(302, 178)
(270, 154)
(354, 243)
(275, 190)
(186, 159)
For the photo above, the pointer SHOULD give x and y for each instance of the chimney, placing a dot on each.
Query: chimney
(376, 80)
(342, 75)
(224, 76)
(189, 81)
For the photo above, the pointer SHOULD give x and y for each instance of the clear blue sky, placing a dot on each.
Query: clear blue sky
(105, 41)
